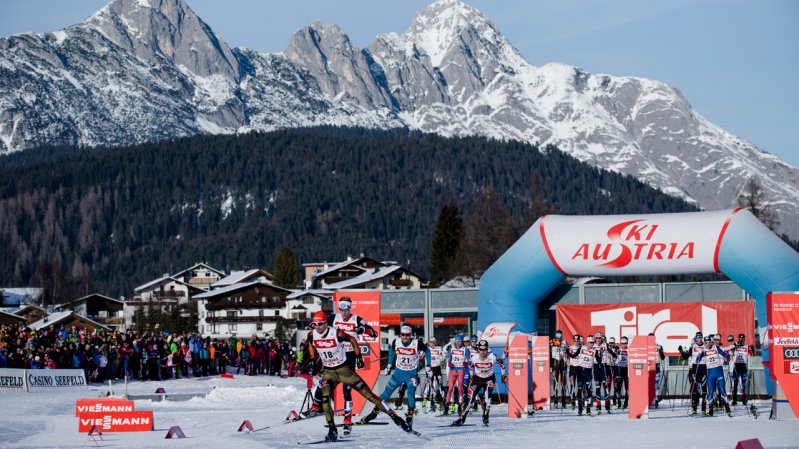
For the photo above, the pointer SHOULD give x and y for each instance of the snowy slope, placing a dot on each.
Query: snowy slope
(142, 70)
(48, 421)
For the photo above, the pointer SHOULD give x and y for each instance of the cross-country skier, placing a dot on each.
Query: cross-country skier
(457, 362)
(740, 359)
(584, 359)
(558, 368)
(621, 378)
(435, 381)
(697, 372)
(658, 358)
(714, 356)
(353, 325)
(482, 366)
(573, 369)
(327, 344)
(600, 374)
(406, 353)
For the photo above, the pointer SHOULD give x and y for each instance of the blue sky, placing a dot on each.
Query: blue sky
(737, 61)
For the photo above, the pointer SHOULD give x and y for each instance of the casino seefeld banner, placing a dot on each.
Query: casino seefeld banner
(40, 380)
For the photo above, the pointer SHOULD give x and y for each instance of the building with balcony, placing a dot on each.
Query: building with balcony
(360, 273)
(200, 275)
(243, 310)
(99, 308)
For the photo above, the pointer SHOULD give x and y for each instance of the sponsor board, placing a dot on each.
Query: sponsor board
(635, 244)
(102, 405)
(365, 304)
(790, 353)
(37, 380)
(674, 324)
(12, 379)
(783, 311)
(497, 334)
(141, 421)
(791, 367)
(782, 341)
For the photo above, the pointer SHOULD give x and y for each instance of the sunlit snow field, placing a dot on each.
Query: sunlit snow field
(44, 420)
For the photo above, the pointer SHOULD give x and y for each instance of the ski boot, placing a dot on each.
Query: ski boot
(485, 417)
(445, 408)
(366, 419)
(347, 424)
(704, 408)
(626, 404)
(579, 409)
(332, 433)
(693, 411)
(459, 422)
(588, 411)
(399, 421)
(398, 404)
(425, 403)
(311, 412)
(710, 411)
(727, 409)
(409, 418)
(608, 408)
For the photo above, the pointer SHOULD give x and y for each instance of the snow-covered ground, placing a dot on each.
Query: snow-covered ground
(44, 420)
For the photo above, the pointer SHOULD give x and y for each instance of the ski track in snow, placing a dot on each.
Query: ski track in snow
(46, 420)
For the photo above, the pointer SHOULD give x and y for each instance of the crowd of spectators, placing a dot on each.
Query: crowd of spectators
(105, 355)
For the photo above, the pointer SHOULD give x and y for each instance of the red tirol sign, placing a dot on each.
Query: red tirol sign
(88, 405)
(783, 330)
(674, 324)
(634, 244)
(365, 304)
(141, 421)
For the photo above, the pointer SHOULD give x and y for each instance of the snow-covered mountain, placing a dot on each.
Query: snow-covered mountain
(142, 70)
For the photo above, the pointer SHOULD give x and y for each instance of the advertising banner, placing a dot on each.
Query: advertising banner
(783, 328)
(102, 405)
(638, 372)
(498, 334)
(12, 379)
(540, 359)
(673, 323)
(618, 245)
(47, 379)
(117, 421)
(365, 304)
(518, 376)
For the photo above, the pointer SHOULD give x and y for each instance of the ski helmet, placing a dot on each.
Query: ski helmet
(319, 317)
(558, 334)
(433, 339)
(459, 338)
(623, 340)
(730, 338)
(589, 339)
(482, 345)
(612, 340)
(473, 338)
(406, 330)
(708, 339)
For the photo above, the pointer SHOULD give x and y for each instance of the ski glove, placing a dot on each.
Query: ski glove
(359, 361)
(504, 379)
(360, 330)
(387, 371)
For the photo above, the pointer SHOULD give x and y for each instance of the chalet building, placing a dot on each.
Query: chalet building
(165, 292)
(10, 318)
(360, 273)
(68, 319)
(200, 275)
(31, 313)
(240, 277)
(99, 308)
(303, 303)
(244, 309)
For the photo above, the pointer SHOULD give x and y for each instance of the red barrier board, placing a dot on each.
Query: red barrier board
(518, 376)
(117, 421)
(783, 336)
(365, 304)
(102, 405)
(540, 358)
(638, 372)
(673, 324)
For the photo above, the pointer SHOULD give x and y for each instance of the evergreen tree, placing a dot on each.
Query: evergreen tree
(751, 197)
(488, 233)
(286, 273)
(447, 238)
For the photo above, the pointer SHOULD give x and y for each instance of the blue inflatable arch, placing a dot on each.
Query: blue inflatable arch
(732, 242)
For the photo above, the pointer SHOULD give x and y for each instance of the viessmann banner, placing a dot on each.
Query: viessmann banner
(674, 324)
(635, 244)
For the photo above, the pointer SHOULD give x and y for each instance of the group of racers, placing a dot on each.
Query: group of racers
(592, 369)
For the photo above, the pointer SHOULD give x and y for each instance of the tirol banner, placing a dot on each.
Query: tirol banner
(783, 329)
(674, 324)
(616, 245)
(365, 304)
(498, 334)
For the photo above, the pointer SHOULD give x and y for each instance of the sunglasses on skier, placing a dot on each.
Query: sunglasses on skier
(406, 335)
(318, 323)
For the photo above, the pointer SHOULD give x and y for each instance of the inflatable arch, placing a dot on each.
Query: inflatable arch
(732, 242)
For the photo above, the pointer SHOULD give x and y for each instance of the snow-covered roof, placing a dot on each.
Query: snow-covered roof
(57, 317)
(321, 292)
(163, 280)
(14, 296)
(461, 282)
(61, 306)
(363, 278)
(237, 277)
(347, 263)
(9, 314)
(236, 287)
(199, 265)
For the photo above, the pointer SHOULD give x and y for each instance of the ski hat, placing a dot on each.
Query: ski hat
(598, 335)
(742, 336)
(406, 330)
(589, 339)
(730, 338)
(473, 338)
(623, 340)
(708, 339)
(559, 333)
(433, 340)
(578, 338)
(612, 340)
(482, 344)
(459, 337)
(717, 337)
(318, 317)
